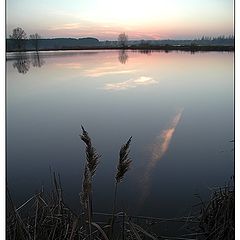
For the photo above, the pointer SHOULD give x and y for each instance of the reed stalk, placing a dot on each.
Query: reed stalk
(123, 166)
(92, 161)
(217, 219)
(48, 217)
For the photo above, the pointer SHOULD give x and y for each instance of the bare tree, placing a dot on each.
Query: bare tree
(122, 40)
(19, 36)
(35, 40)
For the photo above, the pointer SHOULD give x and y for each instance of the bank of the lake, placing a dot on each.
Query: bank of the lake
(188, 48)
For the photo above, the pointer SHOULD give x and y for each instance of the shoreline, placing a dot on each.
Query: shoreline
(184, 48)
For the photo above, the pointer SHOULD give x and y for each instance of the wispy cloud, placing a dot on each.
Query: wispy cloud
(104, 29)
(70, 65)
(102, 71)
(132, 83)
(66, 26)
(63, 14)
(158, 149)
(84, 27)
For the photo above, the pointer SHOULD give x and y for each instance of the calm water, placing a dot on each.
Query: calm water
(177, 106)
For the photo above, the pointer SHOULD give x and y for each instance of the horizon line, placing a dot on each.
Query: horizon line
(230, 36)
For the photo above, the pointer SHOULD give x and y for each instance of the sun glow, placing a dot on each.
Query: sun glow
(105, 19)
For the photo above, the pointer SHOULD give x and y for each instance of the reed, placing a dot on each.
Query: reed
(92, 161)
(124, 161)
(123, 166)
(92, 157)
(46, 216)
(40, 218)
(217, 219)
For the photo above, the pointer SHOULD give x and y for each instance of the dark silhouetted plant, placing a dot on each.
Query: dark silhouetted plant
(122, 168)
(92, 161)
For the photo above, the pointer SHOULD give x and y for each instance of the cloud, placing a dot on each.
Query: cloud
(158, 150)
(70, 65)
(132, 83)
(75, 26)
(66, 26)
(102, 71)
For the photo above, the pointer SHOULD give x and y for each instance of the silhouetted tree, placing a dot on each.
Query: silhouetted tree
(19, 36)
(35, 40)
(122, 40)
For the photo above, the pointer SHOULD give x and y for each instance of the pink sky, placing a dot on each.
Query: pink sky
(105, 19)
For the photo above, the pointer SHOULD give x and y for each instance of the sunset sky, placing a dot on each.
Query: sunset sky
(105, 19)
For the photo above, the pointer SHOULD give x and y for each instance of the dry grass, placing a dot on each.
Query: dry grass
(41, 217)
(46, 216)
(217, 219)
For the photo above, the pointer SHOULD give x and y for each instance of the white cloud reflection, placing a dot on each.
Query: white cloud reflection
(158, 149)
(132, 83)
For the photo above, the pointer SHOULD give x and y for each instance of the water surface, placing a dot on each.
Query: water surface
(177, 106)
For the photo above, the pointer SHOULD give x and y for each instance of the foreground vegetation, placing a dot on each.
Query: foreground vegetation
(46, 216)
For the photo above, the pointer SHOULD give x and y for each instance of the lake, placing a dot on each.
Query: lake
(177, 106)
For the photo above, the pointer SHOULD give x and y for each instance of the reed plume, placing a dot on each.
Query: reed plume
(92, 157)
(92, 161)
(123, 166)
(124, 161)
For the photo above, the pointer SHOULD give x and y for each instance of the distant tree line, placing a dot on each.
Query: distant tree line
(123, 42)
(35, 40)
(208, 38)
(18, 41)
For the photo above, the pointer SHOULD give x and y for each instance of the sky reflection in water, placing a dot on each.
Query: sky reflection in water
(116, 95)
